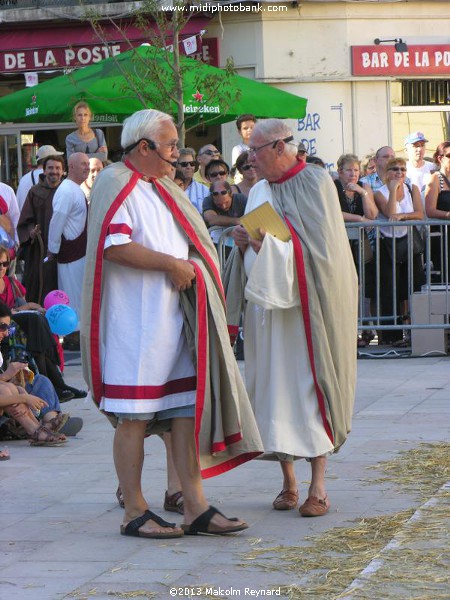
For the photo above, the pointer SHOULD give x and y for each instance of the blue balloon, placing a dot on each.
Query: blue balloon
(62, 319)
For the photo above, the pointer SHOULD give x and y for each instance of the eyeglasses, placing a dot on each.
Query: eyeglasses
(151, 144)
(210, 152)
(397, 169)
(4, 264)
(221, 193)
(273, 142)
(247, 167)
(187, 163)
(4, 326)
(218, 173)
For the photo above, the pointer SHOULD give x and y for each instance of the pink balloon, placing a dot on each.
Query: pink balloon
(56, 297)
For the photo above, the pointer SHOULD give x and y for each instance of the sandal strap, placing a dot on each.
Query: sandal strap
(175, 499)
(201, 523)
(133, 526)
(50, 436)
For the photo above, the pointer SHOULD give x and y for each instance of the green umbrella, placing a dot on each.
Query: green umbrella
(112, 87)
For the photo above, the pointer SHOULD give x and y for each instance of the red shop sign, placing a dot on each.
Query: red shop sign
(47, 59)
(384, 60)
(80, 46)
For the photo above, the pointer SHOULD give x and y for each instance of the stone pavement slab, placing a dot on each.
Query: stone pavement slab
(59, 534)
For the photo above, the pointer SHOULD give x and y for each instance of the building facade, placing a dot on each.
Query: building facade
(361, 95)
(316, 48)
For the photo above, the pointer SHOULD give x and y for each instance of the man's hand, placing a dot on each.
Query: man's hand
(181, 274)
(51, 256)
(34, 232)
(255, 245)
(240, 236)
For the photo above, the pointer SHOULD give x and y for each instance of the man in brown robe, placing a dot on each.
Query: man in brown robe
(39, 278)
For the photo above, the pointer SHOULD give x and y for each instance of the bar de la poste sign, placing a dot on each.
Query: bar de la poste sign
(423, 60)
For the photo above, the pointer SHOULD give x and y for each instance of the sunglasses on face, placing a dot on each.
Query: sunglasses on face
(4, 327)
(247, 167)
(210, 152)
(4, 264)
(218, 173)
(187, 163)
(397, 169)
(221, 193)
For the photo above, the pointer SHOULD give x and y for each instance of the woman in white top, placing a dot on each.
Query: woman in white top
(397, 201)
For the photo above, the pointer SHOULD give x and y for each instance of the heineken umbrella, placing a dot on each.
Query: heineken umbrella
(118, 86)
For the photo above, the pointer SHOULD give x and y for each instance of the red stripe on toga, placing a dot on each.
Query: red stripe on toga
(202, 351)
(97, 379)
(119, 228)
(150, 392)
(303, 291)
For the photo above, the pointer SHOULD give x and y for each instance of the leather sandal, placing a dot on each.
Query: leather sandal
(57, 422)
(286, 500)
(202, 525)
(132, 528)
(174, 503)
(44, 437)
(314, 507)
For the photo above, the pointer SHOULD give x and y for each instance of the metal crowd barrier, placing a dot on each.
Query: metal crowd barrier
(427, 302)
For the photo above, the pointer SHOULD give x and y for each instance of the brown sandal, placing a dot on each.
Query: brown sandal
(174, 503)
(57, 422)
(44, 437)
(314, 507)
(286, 500)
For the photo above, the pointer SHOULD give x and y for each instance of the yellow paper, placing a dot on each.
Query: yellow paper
(266, 218)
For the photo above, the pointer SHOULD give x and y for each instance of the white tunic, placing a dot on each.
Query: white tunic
(25, 184)
(8, 204)
(146, 363)
(68, 219)
(277, 368)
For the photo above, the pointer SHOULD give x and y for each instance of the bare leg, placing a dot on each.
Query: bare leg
(129, 460)
(185, 459)
(289, 479)
(173, 481)
(23, 415)
(318, 467)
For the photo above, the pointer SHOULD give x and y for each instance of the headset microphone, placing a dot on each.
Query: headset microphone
(172, 164)
(152, 146)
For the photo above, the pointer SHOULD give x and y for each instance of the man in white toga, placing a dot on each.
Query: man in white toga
(301, 316)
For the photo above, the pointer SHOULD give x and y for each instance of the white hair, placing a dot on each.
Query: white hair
(142, 124)
(276, 129)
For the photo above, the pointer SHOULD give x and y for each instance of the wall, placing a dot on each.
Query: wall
(307, 51)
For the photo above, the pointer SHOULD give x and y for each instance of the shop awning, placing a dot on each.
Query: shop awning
(105, 88)
(38, 49)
